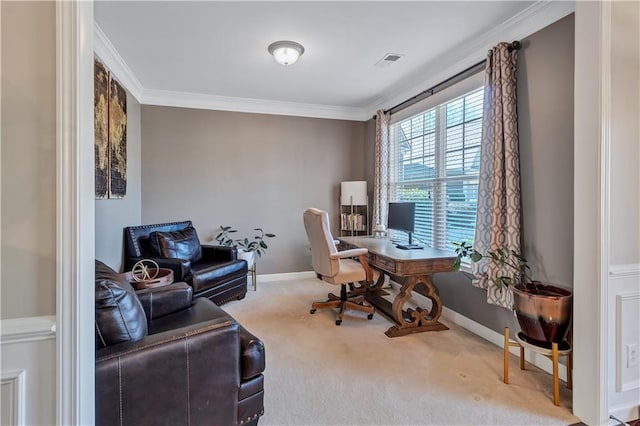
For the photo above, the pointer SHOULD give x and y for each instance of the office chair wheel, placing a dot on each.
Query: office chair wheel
(312, 311)
(338, 322)
(370, 316)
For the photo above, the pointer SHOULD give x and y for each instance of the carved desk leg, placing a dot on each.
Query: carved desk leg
(420, 319)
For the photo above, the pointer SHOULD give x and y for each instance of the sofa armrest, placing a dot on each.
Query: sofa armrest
(160, 301)
(219, 253)
(180, 267)
(252, 354)
(191, 372)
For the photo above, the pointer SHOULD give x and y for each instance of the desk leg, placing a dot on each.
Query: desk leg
(420, 319)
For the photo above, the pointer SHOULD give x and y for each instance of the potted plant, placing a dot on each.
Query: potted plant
(543, 310)
(247, 247)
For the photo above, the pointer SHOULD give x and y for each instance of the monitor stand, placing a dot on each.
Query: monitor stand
(410, 245)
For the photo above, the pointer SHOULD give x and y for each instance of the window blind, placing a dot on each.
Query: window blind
(434, 161)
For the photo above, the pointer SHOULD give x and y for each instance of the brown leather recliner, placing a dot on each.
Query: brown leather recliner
(214, 272)
(162, 359)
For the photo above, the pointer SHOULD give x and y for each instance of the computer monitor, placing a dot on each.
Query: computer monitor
(402, 218)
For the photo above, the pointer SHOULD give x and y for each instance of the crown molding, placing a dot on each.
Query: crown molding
(104, 49)
(108, 54)
(249, 105)
(532, 19)
(525, 23)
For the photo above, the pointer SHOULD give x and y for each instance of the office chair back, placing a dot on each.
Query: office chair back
(316, 223)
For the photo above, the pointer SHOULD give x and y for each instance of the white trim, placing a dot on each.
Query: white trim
(625, 412)
(110, 57)
(591, 268)
(249, 105)
(17, 330)
(624, 270)
(16, 380)
(75, 228)
(605, 205)
(530, 20)
(621, 356)
(497, 339)
(265, 278)
(534, 18)
(459, 89)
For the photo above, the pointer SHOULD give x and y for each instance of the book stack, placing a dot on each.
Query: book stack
(352, 222)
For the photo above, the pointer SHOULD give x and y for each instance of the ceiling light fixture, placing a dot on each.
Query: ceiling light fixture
(286, 52)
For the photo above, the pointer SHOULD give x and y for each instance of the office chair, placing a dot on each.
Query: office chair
(336, 267)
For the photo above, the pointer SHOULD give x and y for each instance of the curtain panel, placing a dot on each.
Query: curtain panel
(381, 169)
(498, 222)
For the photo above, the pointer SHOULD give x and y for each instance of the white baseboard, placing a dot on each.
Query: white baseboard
(497, 339)
(624, 413)
(265, 278)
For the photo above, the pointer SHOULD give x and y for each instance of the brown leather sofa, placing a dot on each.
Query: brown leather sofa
(214, 272)
(163, 359)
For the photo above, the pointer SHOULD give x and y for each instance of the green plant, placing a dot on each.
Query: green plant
(256, 243)
(505, 258)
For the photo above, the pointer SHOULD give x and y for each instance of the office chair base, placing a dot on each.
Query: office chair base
(344, 302)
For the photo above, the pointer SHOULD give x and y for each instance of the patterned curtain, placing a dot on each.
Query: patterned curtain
(499, 206)
(381, 169)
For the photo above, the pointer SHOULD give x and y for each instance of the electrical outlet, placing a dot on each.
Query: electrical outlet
(632, 355)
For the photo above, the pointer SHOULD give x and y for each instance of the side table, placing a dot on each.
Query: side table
(557, 350)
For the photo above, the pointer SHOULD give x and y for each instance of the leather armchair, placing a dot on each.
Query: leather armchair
(163, 360)
(214, 272)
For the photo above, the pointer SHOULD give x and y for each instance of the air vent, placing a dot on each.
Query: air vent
(388, 59)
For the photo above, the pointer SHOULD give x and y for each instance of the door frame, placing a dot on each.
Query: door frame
(75, 217)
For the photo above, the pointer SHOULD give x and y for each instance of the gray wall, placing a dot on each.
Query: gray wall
(545, 124)
(247, 171)
(112, 215)
(28, 159)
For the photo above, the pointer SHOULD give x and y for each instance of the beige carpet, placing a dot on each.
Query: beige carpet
(321, 374)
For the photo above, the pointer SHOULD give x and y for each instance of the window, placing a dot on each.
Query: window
(434, 161)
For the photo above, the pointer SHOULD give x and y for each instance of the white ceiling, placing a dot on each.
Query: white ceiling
(219, 49)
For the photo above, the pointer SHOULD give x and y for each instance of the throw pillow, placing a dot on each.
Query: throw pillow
(119, 314)
(183, 244)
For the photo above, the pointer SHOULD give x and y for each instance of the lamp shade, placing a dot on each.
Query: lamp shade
(353, 193)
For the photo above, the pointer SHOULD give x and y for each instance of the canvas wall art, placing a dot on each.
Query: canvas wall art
(110, 126)
(117, 140)
(100, 127)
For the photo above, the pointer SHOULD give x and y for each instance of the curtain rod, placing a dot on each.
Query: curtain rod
(515, 45)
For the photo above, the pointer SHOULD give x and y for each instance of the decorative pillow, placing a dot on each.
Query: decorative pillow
(119, 314)
(183, 244)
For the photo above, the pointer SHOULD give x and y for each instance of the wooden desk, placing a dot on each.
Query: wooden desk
(411, 268)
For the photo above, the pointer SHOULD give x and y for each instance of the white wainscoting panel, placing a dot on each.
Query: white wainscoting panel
(13, 397)
(623, 325)
(627, 332)
(28, 371)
